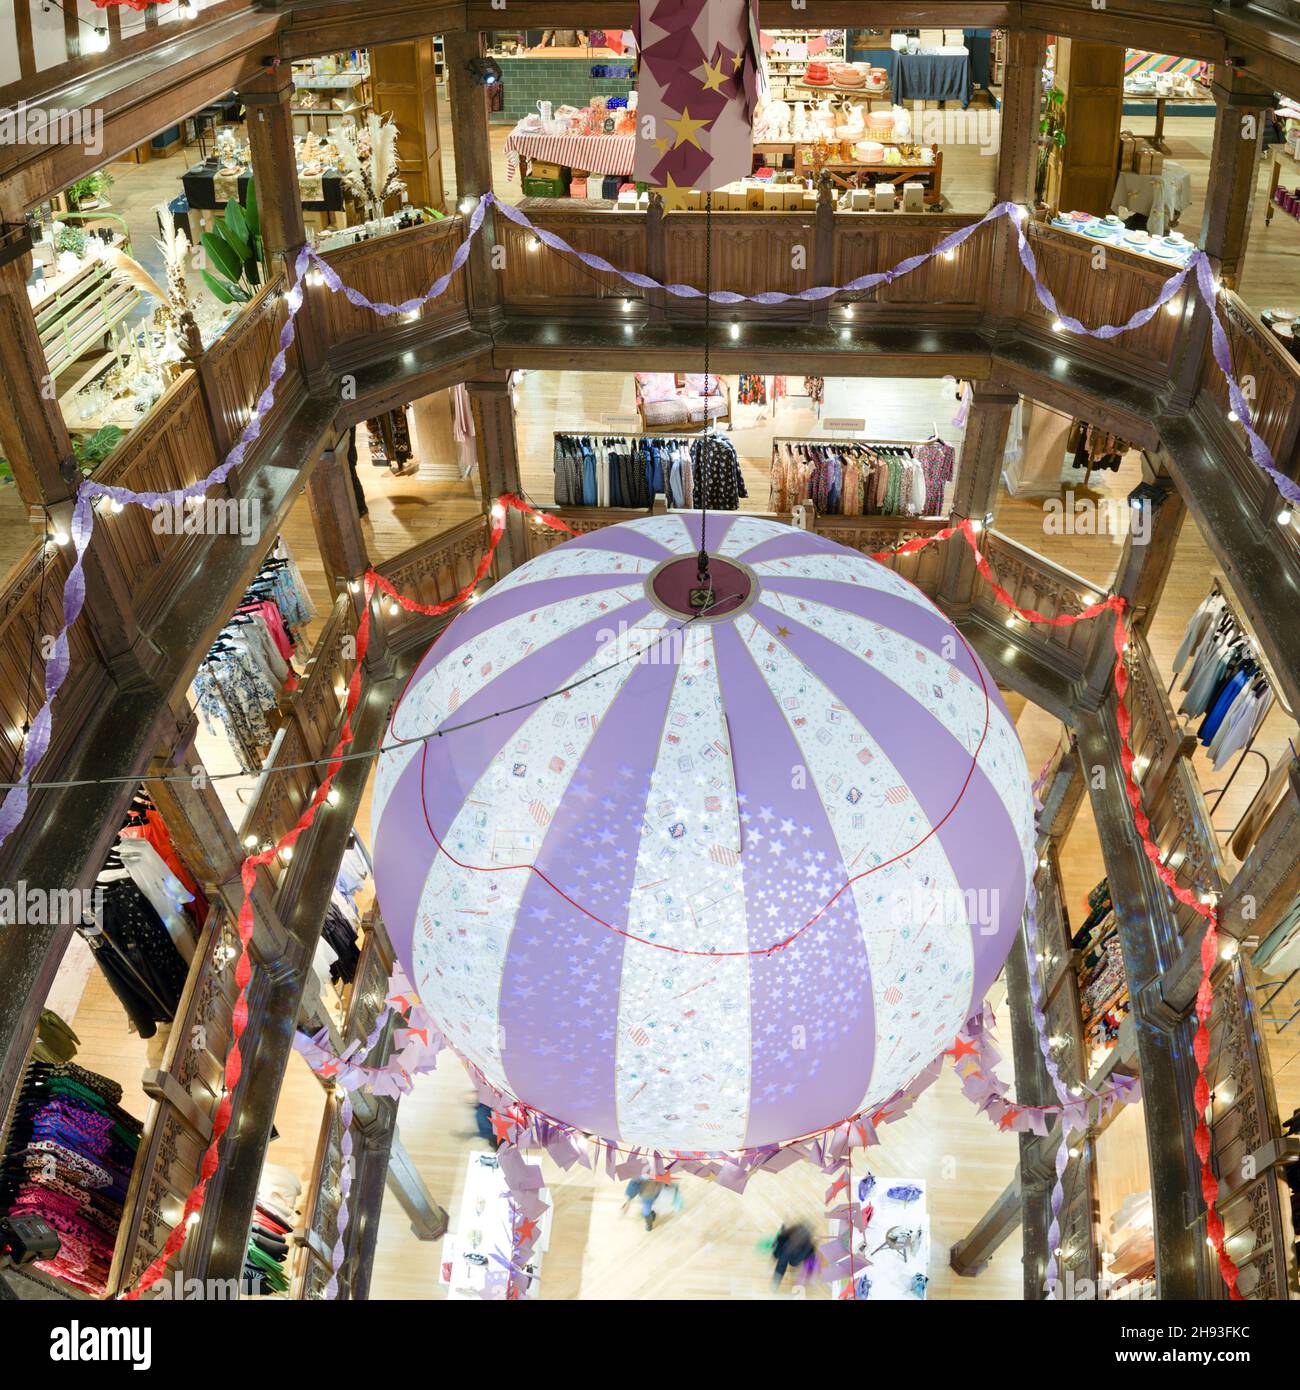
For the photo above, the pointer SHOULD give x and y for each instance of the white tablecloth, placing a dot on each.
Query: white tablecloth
(596, 154)
(1155, 196)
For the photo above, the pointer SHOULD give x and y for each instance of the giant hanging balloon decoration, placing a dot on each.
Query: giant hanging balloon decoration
(89, 491)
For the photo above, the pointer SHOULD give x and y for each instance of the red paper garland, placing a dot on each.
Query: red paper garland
(374, 581)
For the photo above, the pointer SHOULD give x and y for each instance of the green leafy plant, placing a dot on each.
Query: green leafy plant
(1051, 138)
(90, 451)
(234, 248)
(94, 185)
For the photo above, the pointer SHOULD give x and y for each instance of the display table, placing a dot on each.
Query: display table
(924, 76)
(850, 174)
(1135, 99)
(594, 154)
(207, 189)
(1154, 195)
(890, 1268)
(482, 1229)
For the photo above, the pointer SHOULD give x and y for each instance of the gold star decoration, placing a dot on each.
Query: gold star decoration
(661, 144)
(714, 78)
(686, 128)
(783, 632)
(674, 195)
(738, 59)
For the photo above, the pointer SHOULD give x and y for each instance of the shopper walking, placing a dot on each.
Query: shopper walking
(793, 1246)
(650, 1191)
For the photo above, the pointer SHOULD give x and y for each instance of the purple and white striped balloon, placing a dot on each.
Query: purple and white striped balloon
(587, 885)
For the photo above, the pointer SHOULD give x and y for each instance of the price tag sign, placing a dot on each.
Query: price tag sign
(838, 425)
(621, 424)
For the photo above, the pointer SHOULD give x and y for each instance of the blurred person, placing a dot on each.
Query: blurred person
(793, 1247)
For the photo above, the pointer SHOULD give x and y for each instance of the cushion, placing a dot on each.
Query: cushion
(695, 385)
(671, 412)
(656, 386)
(705, 410)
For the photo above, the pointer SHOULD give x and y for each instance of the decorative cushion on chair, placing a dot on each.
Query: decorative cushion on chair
(656, 386)
(669, 412)
(699, 409)
(695, 385)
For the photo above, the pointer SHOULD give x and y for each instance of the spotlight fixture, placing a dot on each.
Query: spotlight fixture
(96, 41)
(1152, 494)
(486, 72)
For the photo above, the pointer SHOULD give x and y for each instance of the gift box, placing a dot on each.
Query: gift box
(544, 169)
(773, 198)
(578, 188)
(792, 196)
(914, 196)
(954, 38)
(860, 200)
(931, 38)
(883, 197)
(754, 196)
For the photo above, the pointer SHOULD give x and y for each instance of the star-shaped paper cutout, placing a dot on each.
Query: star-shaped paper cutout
(686, 128)
(1008, 1117)
(501, 1125)
(714, 76)
(959, 1049)
(526, 1230)
(783, 632)
(661, 144)
(674, 195)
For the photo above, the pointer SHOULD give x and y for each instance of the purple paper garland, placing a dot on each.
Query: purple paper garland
(37, 742)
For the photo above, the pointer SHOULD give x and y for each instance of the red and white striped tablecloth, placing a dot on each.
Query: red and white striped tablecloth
(597, 154)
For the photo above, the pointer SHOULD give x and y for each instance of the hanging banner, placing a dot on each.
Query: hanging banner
(697, 85)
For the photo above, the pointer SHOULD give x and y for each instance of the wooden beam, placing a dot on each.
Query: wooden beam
(472, 151)
(979, 472)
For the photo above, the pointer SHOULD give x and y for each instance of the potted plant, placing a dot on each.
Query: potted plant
(234, 248)
(89, 190)
(1051, 140)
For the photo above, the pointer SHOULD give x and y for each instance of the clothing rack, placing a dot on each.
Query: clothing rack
(936, 458)
(1242, 629)
(597, 469)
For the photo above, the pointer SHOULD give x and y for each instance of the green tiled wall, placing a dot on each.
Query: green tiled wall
(561, 81)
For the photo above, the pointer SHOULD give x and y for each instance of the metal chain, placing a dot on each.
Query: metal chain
(706, 444)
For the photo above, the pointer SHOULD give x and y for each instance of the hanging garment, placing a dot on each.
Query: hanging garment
(815, 387)
(153, 828)
(1202, 622)
(717, 482)
(137, 955)
(166, 894)
(752, 389)
(937, 461)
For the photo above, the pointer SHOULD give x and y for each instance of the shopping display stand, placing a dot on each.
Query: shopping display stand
(483, 1230)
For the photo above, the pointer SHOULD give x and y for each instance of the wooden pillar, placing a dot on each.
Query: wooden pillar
(972, 1253)
(1140, 577)
(1240, 115)
(498, 461)
(404, 85)
(268, 100)
(34, 438)
(1092, 77)
(473, 159)
(332, 501)
(1240, 106)
(1021, 99)
(428, 1219)
(979, 472)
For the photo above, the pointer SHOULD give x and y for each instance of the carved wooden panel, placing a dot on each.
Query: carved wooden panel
(170, 449)
(321, 1207)
(30, 612)
(237, 366)
(1036, 583)
(430, 573)
(752, 252)
(866, 244)
(178, 1125)
(534, 275)
(1269, 377)
(1101, 285)
(392, 270)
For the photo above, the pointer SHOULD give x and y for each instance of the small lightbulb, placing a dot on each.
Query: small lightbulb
(332, 796)
(467, 205)
(60, 537)
(949, 255)
(250, 841)
(1173, 309)
(115, 506)
(393, 610)
(286, 853)
(1284, 517)
(735, 330)
(1057, 326)
(96, 41)
(1230, 949)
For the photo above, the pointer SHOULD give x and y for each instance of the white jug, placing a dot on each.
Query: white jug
(545, 109)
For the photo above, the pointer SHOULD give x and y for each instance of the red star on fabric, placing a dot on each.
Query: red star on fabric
(526, 1229)
(959, 1049)
(879, 1117)
(1008, 1116)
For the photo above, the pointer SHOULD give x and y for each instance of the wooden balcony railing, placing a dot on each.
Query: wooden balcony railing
(1034, 582)
(236, 368)
(295, 768)
(432, 572)
(1105, 285)
(185, 1092)
(1270, 380)
(390, 269)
